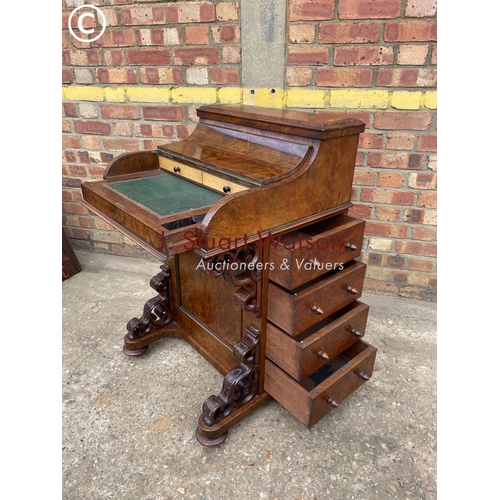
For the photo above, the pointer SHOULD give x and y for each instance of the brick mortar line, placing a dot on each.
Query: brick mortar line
(399, 207)
(132, 4)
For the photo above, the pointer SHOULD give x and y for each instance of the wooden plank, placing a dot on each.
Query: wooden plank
(319, 125)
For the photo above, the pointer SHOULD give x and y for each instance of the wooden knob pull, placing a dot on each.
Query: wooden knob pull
(364, 376)
(332, 402)
(354, 332)
(352, 290)
(351, 246)
(226, 189)
(177, 169)
(317, 309)
(323, 354)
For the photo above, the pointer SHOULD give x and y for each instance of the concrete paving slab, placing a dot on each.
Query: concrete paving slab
(129, 423)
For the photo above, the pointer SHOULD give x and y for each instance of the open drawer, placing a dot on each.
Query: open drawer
(317, 395)
(302, 355)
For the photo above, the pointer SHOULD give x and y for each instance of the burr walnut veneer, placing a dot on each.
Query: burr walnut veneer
(249, 218)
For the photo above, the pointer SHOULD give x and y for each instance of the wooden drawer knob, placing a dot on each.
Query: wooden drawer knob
(323, 354)
(354, 332)
(177, 169)
(332, 402)
(317, 309)
(352, 290)
(226, 189)
(364, 376)
(351, 246)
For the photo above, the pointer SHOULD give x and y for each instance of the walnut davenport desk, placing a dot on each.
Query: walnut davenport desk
(249, 218)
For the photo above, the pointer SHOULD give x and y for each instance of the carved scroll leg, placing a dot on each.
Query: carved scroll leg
(238, 397)
(216, 434)
(157, 315)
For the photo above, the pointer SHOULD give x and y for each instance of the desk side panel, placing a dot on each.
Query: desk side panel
(132, 163)
(207, 311)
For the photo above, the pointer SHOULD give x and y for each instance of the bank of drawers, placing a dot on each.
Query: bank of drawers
(315, 357)
(211, 181)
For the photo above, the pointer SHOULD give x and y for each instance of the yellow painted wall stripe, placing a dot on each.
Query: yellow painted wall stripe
(189, 95)
(369, 99)
(406, 100)
(304, 98)
(359, 99)
(268, 98)
(83, 93)
(148, 94)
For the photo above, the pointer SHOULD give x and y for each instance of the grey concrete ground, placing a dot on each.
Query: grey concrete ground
(128, 424)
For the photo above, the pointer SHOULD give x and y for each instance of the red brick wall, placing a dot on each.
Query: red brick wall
(146, 43)
(382, 45)
(384, 48)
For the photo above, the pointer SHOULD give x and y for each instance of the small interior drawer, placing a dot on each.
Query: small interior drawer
(211, 181)
(221, 185)
(296, 310)
(302, 355)
(180, 169)
(315, 250)
(316, 396)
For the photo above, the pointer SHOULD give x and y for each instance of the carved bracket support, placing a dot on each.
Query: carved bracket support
(243, 269)
(157, 313)
(240, 384)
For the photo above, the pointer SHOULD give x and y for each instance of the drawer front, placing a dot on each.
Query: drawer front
(316, 250)
(209, 180)
(340, 385)
(181, 170)
(306, 353)
(315, 397)
(295, 312)
(221, 185)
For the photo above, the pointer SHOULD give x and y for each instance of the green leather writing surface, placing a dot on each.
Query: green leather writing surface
(166, 194)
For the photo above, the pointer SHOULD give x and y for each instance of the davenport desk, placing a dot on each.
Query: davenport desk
(249, 218)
